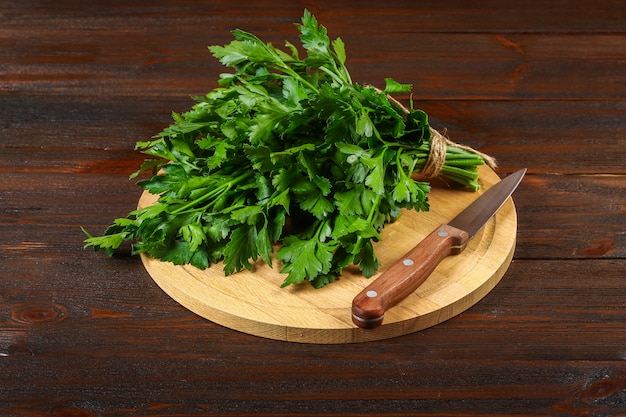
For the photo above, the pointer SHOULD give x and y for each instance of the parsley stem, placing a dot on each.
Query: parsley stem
(332, 75)
(289, 71)
(216, 191)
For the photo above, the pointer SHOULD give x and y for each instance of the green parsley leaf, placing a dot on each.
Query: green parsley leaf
(304, 259)
(241, 248)
(392, 86)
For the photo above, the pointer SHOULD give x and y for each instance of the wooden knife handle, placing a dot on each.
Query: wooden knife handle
(403, 277)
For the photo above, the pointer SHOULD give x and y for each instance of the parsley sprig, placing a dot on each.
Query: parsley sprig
(287, 152)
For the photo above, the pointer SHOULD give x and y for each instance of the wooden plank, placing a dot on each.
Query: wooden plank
(555, 339)
(569, 216)
(441, 66)
(447, 52)
(560, 16)
(430, 389)
(546, 310)
(548, 137)
(561, 137)
(560, 216)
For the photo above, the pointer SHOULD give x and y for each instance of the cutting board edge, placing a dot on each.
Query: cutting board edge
(328, 336)
(184, 286)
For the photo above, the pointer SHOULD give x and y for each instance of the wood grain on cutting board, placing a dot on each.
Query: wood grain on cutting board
(253, 301)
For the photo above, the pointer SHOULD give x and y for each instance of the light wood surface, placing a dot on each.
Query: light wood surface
(253, 301)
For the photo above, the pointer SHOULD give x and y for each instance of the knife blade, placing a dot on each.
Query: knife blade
(409, 272)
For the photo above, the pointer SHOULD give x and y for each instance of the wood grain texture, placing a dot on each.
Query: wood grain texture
(253, 301)
(537, 84)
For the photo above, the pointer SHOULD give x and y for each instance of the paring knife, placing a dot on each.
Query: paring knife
(403, 277)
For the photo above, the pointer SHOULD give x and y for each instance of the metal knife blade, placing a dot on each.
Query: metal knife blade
(408, 273)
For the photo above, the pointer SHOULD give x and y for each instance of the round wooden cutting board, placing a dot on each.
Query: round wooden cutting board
(253, 302)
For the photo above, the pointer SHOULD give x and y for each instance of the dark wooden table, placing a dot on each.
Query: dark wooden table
(536, 84)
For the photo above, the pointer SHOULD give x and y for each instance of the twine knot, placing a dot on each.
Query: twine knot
(437, 154)
(438, 148)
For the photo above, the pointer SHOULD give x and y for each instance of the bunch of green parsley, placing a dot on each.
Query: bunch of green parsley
(288, 152)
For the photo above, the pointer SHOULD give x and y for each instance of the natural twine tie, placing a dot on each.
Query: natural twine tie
(437, 154)
(438, 148)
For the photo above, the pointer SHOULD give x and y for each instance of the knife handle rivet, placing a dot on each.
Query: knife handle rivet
(442, 233)
(407, 262)
(371, 293)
